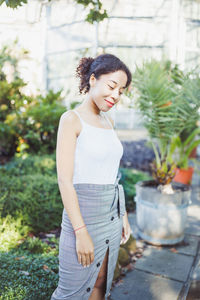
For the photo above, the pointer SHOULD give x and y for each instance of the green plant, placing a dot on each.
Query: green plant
(13, 3)
(11, 231)
(191, 94)
(26, 276)
(187, 140)
(36, 197)
(31, 164)
(161, 103)
(185, 148)
(96, 13)
(190, 91)
(189, 136)
(34, 245)
(30, 189)
(11, 97)
(27, 124)
(38, 124)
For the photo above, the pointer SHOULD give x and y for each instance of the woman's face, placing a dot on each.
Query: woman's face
(107, 89)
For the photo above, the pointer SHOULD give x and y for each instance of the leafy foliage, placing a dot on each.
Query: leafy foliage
(96, 13)
(159, 102)
(13, 3)
(35, 246)
(191, 94)
(185, 148)
(166, 112)
(38, 124)
(30, 276)
(32, 164)
(11, 231)
(11, 97)
(34, 195)
(27, 124)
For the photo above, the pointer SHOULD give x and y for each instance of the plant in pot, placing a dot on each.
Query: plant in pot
(188, 140)
(161, 205)
(184, 172)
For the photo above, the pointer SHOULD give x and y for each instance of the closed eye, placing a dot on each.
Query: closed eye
(112, 88)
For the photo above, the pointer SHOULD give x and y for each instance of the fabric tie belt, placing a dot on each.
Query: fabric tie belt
(120, 197)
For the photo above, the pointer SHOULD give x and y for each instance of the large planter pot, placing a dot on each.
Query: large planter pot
(161, 218)
(184, 175)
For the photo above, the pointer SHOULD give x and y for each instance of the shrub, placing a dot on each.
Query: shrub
(11, 98)
(11, 231)
(29, 189)
(35, 245)
(26, 277)
(36, 197)
(28, 124)
(38, 124)
(31, 164)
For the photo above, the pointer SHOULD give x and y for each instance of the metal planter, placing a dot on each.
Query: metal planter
(161, 218)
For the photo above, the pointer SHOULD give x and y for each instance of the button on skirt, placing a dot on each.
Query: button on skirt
(102, 207)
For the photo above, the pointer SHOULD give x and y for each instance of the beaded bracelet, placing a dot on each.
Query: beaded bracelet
(79, 227)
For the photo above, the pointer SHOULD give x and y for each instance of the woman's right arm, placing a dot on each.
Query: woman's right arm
(65, 154)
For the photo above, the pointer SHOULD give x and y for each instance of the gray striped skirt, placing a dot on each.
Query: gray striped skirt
(102, 207)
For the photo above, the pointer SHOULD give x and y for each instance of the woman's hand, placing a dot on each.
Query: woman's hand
(84, 247)
(126, 230)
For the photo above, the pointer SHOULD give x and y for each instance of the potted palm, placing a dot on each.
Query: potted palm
(161, 204)
(188, 140)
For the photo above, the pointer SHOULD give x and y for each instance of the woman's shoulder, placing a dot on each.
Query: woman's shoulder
(69, 115)
(69, 118)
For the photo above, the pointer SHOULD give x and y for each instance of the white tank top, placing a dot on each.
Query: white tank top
(97, 155)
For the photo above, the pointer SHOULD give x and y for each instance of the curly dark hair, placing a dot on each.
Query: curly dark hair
(102, 64)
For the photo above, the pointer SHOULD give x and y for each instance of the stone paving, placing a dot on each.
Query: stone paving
(166, 272)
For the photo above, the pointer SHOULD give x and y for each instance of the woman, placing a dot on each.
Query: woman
(88, 153)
